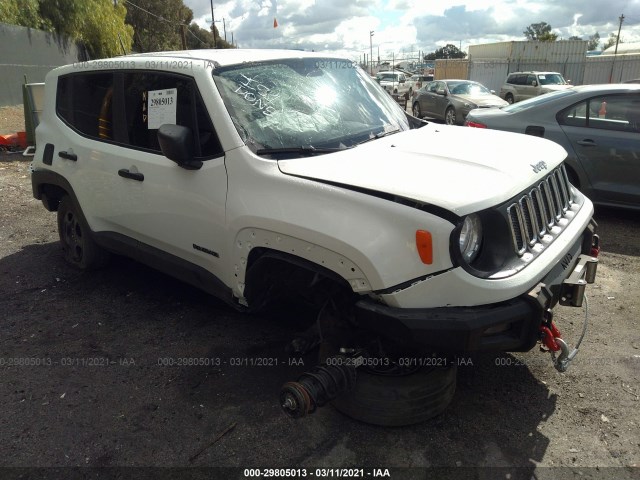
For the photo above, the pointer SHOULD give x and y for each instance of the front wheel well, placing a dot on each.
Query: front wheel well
(273, 276)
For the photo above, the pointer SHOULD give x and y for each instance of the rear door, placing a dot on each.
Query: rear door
(129, 190)
(604, 132)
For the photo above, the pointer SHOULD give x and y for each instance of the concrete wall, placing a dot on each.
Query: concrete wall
(30, 52)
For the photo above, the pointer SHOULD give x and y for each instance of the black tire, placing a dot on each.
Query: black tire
(394, 401)
(416, 110)
(450, 117)
(509, 98)
(78, 247)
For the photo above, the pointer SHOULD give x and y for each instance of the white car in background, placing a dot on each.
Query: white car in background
(394, 82)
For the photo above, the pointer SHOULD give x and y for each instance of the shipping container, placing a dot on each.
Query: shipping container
(614, 68)
(569, 51)
(455, 68)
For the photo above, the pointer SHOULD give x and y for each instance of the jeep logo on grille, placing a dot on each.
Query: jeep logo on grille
(538, 167)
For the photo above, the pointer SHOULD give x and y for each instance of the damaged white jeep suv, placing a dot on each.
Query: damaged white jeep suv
(260, 175)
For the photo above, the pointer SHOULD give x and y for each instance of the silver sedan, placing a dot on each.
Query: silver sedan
(598, 126)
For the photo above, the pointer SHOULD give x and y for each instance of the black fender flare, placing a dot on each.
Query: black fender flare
(41, 179)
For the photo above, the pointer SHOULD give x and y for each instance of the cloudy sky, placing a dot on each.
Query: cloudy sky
(406, 27)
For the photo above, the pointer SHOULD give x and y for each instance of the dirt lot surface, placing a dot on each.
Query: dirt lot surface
(90, 378)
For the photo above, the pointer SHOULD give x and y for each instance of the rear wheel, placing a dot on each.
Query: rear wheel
(509, 98)
(416, 110)
(75, 237)
(450, 116)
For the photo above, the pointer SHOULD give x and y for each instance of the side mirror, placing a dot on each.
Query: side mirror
(441, 91)
(493, 92)
(534, 84)
(402, 80)
(176, 143)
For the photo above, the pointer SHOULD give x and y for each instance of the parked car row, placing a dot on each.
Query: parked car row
(598, 125)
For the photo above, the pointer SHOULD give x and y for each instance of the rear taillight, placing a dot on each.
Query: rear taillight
(469, 123)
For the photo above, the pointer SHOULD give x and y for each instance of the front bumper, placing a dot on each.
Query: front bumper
(513, 325)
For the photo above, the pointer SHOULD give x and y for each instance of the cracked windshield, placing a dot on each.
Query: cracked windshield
(306, 104)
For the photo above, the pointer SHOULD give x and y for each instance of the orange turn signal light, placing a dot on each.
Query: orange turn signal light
(424, 243)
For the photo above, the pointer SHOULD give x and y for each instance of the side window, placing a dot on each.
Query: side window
(611, 112)
(511, 79)
(152, 99)
(433, 87)
(84, 102)
(531, 79)
(574, 116)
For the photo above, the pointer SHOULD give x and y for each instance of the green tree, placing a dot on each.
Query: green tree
(98, 24)
(594, 40)
(158, 28)
(25, 13)
(448, 51)
(199, 37)
(611, 41)
(541, 32)
(574, 37)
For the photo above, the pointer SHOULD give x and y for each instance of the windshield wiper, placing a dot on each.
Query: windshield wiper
(378, 135)
(306, 150)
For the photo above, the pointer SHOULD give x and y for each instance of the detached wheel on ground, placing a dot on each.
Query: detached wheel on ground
(75, 237)
(399, 400)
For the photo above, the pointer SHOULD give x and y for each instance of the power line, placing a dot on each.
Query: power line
(153, 14)
(167, 21)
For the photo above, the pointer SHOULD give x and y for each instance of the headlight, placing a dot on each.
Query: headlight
(470, 237)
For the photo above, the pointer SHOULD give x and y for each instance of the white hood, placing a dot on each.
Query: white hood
(461, 169)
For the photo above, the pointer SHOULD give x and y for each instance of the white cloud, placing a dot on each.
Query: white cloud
(403, 25)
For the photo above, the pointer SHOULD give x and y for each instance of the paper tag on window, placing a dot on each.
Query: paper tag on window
(162, 107)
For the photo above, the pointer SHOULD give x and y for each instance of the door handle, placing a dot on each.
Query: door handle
(587, 143)
(124, 173)
(68, 156)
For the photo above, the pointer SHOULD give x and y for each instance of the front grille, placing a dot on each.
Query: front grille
(537, 211)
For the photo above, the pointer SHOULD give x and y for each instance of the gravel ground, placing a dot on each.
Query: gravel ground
(11, 119)
(84, 384)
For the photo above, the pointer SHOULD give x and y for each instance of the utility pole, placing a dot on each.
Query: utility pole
(224, 25)
(615, 52)
(183, 37)
(371, 52)
(213, 26)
